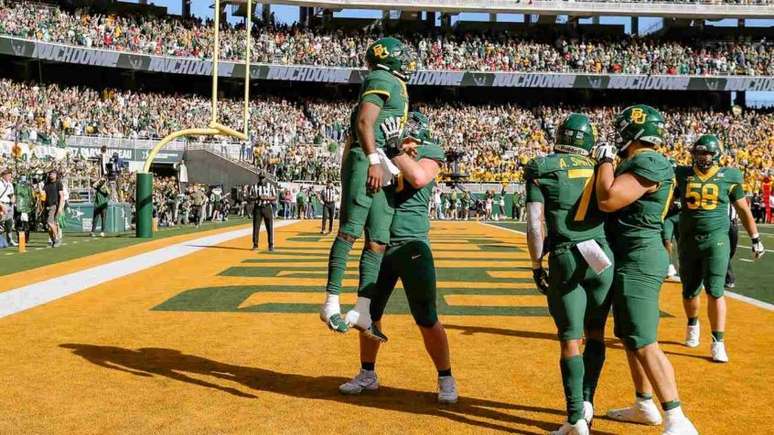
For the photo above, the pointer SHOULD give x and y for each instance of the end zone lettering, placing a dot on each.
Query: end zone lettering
(648, 82)
(438, 78)
(76, 55)
(308, 74)
(511, 80)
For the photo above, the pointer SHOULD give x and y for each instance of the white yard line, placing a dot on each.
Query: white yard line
(737, 296)
(24, 298)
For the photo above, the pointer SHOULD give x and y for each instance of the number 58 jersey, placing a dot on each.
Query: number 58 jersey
(705, 198)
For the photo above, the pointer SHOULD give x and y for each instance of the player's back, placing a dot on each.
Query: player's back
(389, 93)
(565, 185)
(705, 198)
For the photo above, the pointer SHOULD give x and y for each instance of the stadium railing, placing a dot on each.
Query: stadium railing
(63, 53)
(664, 8)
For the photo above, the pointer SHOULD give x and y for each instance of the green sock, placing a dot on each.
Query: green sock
(337, 265)
(572, 379)
(672, 404)
(593, 360)
(644, 396)
(718, 335)
(693, 321)
(370, 262)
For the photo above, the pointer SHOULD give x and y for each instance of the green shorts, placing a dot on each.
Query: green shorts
(361, 210)
(412, 262)
(640, 268)
(671, 230)
(578, 298)
(704, 260)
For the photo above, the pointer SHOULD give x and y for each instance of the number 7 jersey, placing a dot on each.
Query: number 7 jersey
(705, 198)
(564, 183)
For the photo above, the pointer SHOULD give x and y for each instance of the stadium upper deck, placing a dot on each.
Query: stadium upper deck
(707, 9)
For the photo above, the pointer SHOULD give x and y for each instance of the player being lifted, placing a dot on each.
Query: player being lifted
(560, 191)
(638, 193)
(364, 205)
(706, 192)
(409, 258)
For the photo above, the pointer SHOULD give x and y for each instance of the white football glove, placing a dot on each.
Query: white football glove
(393, 135)
(604, 153)
(757, 247)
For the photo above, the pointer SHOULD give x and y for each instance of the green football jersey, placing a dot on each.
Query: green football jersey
(644, 217)
(705, 198)
(564, 183)
(24, 197)
(412, 219)
(386, 91)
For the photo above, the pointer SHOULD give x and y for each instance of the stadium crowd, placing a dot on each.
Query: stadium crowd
(301, 139)
(447, 51)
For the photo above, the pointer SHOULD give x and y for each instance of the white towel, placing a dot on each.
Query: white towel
(389, 169)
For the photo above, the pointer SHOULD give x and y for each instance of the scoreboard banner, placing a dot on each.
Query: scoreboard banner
(323, 74)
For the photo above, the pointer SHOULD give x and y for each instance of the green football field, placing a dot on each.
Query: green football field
(77, 245)
(754, 279)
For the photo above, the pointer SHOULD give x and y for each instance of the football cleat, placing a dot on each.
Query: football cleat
(365, 380)
(331, 317)
(447, 390)
(642, 412)
(672, 274)
(719, 352)
(692, 334)
(374, 333)
(579, 428)
(588, 412)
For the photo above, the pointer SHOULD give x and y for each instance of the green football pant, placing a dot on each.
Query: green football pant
(640, 268)
(704, 260)
(578, 298)
(412, 262)
(361, 210)
(670, 229)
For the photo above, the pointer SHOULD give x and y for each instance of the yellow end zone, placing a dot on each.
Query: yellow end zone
(105, 360)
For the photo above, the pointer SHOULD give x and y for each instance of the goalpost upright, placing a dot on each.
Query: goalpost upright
(144, 190)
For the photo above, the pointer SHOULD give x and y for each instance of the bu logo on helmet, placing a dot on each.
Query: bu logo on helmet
(380, 51)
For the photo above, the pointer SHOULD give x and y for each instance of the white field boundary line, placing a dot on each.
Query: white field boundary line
(737, 296)
(27, 297)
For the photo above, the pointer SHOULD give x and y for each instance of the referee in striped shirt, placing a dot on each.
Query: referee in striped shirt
(265, 194)
(328, 196)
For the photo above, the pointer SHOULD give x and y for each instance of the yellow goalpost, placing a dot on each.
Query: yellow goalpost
(144, 192)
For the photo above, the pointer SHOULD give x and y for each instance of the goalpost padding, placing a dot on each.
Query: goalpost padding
(144, 201)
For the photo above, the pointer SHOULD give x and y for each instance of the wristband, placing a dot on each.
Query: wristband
(755, 236)
(373, 159)
(392, 152)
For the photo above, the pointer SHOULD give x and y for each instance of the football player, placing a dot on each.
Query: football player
(560, 192)
(409, 258)
(364, 205)
(638, 193)
(707, 189)
(670, 230)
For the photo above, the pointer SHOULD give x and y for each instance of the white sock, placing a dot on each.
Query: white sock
(331, 304)
(363, 305)
(675, 413)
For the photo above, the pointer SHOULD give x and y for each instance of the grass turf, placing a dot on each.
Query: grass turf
(77, 245)
(753, 279)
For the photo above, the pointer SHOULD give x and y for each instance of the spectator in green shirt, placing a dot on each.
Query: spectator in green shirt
(101, 196)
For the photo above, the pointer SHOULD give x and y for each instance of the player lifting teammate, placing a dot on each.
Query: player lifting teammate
(364, 204)
(560, 191)
(638, 193)
(409, 258)
(706, 192)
